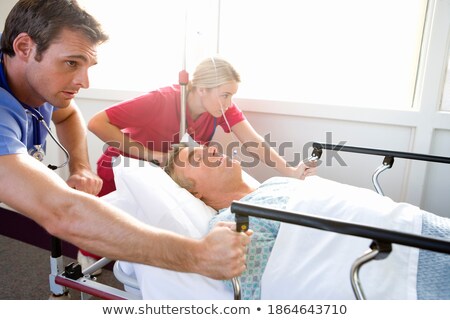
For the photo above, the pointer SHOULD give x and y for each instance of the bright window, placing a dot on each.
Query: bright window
(346, 52)
(336, 52)
(147, 39)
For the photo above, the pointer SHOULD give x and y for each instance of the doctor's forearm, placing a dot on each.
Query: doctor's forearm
(121, 237)
(100, 228)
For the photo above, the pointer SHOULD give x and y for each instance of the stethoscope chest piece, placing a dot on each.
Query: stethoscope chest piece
(37, 152)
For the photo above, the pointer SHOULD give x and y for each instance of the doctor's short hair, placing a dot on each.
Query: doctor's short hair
(43, 20)
(213, 72)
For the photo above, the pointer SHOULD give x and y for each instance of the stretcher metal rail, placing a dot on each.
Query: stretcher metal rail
(380, 152)
(388, 160)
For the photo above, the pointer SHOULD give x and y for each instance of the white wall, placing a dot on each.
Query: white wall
(5, 7)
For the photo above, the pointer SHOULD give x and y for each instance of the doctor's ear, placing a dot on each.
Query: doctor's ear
(23, 46)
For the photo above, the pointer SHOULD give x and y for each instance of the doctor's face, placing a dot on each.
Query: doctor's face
(61, 71)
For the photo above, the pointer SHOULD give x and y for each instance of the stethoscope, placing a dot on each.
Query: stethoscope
(37, 151)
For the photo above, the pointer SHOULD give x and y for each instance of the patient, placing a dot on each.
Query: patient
(217, 180)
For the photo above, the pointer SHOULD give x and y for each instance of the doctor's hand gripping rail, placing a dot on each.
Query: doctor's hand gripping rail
(380, 247)
(388, 161)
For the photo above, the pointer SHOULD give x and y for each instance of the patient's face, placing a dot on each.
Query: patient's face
(208, 168)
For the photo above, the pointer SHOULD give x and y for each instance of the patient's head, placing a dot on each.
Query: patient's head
(207, 174)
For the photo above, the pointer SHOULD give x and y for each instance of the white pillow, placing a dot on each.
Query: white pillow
(158, 200)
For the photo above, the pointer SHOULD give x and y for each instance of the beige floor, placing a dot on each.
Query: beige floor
(24, 271)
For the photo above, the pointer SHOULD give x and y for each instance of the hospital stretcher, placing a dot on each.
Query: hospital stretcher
(71, 276)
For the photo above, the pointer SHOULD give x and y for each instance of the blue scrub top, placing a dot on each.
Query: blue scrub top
(16, 126)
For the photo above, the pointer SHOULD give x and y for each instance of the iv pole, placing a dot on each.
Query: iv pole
(183, 80)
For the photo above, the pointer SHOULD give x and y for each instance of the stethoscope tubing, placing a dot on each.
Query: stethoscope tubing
(38, 119)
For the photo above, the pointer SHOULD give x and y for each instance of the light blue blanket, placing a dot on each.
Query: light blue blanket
(272, 193)
(433, 270)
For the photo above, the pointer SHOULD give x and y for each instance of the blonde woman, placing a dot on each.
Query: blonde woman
(147, 126)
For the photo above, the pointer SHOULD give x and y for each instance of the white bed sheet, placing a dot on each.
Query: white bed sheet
(313, 264)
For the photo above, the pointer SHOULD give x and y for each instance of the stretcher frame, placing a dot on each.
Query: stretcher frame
(71, 276)
(388, 155)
